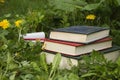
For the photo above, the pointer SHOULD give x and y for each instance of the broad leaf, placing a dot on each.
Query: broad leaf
(55, 65)
(73, 77)
(12, 77)
(118, 61)
(43, 62)
(118, 1)
(56, 61)
(35, 66)
(90, 7)
(88, 74)
(67, 5)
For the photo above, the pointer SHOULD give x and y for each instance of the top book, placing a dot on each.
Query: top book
(81, 34)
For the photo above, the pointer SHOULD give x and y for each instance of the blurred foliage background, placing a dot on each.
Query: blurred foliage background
(22, 60)
(45, 15)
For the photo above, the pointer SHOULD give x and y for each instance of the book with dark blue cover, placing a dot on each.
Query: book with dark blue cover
(81, 34)
(81, 29)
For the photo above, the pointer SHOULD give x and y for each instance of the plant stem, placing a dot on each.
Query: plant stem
(6, 67)
(19, 34)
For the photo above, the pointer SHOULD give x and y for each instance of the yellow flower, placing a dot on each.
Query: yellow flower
(2, 1)
(90, 17)
(18, 23)
(4, 24)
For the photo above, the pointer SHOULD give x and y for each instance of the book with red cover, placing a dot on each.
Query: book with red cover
(72, 48)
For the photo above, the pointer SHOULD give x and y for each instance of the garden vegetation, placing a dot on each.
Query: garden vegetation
(22, 60)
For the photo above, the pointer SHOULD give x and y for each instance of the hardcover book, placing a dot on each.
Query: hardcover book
(72, 48)
(82, 34)
(64, 63)
(110, 54)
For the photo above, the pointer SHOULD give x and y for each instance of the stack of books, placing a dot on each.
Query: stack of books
(76, 41)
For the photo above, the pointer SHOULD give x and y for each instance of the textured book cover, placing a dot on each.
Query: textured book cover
(81, 29)
(77, 44)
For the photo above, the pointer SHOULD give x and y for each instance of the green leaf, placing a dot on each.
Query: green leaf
(27, 77)
(56, 61)
(7, 15)
(41, 17)
(25, 63)
(9, 58)
(35, 66)
(118, 61)
(118, 1)
(55, 65)
(66, 5)
(12, 77)
(31, 43)
(4, 32)
(69, 62)
(12, 66)
(73, 77)
(43, 62)
(88, 74)
(80, 2)
(3, 47)
(90, 7)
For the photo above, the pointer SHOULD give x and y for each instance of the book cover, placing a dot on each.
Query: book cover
(77, 43)
(81, 29)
